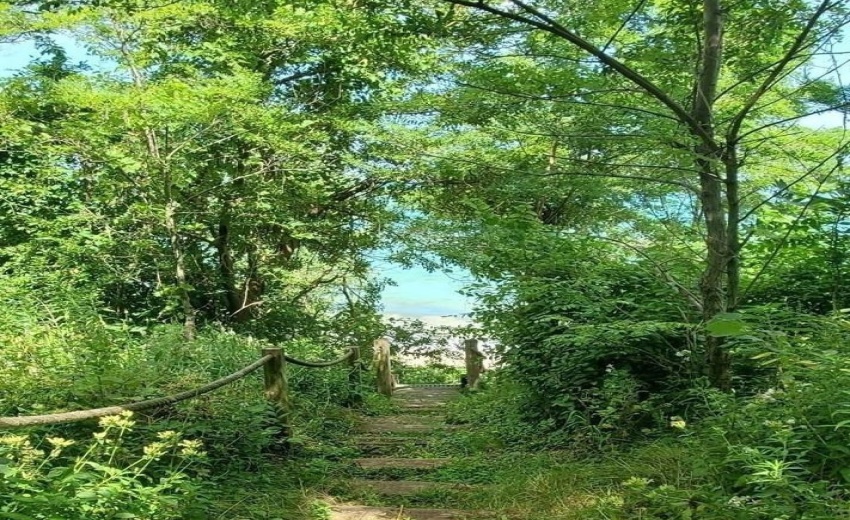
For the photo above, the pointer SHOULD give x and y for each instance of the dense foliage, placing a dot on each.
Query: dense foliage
(651, 196)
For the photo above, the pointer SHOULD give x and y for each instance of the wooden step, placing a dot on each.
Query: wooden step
(397, 513)
(424, 410)
(400, 463)
(426, 390)
(371, 444)
(403, 487)
(401, 424)
(435, 401)
(387, 440)
(439, 395)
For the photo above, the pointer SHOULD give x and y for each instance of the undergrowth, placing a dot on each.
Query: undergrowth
(776, 453)
(775, 449)
(151, 466)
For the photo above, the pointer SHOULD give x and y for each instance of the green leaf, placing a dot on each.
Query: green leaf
(720, 327)
(16, 516)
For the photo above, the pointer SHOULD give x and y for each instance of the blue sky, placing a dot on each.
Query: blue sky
(14, 56)
(420, 294)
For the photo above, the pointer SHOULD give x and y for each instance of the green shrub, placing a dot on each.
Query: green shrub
(109, 479)
(779, 448)
(70, 365)
(567, 373)
(500, 412)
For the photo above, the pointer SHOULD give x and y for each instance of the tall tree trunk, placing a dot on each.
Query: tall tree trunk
(252, 290)
(232, 297)
(717, 363)
(733, 226)
(189, 325)
(836, 261)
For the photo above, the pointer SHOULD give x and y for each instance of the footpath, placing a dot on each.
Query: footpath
(383, 442)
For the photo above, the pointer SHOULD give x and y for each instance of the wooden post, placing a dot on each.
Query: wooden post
(355, 397)
(277, 389)
(474, 363)
(383, 367)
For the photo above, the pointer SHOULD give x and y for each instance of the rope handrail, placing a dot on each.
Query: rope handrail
(82, 415)
(321, 364)
(275, 383)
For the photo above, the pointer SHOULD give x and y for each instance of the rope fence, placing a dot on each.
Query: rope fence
(276, 387)
(273, 362)
(82, 415)
(320, 364)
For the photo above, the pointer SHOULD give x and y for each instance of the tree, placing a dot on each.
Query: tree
(223, 155)
(702, 125)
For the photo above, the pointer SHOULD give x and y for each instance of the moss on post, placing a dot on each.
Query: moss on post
(277, 390)
(474, 363)
(383, 367)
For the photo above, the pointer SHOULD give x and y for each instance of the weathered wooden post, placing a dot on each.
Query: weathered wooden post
(277, 389)
(474, 363)
(383, 367)
(355, 397)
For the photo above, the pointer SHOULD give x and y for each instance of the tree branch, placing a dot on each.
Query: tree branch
(295, 76)
(674, 182)
(547, 24)
(799, 179)
(662, 272)
(787, 234)
(566, 99)
(681, 184)
(321, 280)
(839, 106)
(799, 42)
(794, 93)
(629, 165)
(622, 26)
(361, 187)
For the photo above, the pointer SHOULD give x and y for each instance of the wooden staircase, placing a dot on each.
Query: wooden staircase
(379, 441)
